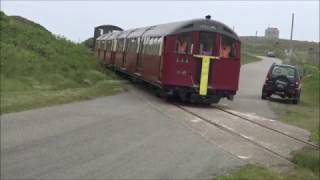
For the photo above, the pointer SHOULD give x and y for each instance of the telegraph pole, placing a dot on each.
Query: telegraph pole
(291, 48)
(292, 26)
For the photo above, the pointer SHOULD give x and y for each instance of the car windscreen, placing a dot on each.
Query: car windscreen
(284, 71)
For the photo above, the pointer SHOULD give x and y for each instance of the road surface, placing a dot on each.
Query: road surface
(136, 135)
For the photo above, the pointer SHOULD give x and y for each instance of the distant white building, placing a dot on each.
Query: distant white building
(272, 33)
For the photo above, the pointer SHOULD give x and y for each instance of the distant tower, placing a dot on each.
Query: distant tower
(272, 33)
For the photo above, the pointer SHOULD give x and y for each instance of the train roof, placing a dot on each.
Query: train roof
(113, 35)
(102, 36)
(179, 27)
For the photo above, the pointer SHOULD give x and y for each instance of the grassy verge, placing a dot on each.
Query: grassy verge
(40, 69)
(303, 51)
(13, 101)
(255, 172)
(306, 113)
(248, 58)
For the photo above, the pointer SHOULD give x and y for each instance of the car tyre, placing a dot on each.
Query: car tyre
(296, 100)
(264, 96)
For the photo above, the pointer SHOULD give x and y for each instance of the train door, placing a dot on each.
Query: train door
(141, 46)
(178, 60)
(206, 46)
(226, 70)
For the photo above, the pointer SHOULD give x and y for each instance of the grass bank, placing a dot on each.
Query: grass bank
(303, 51)
(39, 68)
(256, 172)
(306, 113)
(247, 58)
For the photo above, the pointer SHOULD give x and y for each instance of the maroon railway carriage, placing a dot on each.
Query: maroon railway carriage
(164, 56)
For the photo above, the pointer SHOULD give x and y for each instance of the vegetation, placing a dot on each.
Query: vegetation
(303, 51)
(89, 43)
(39, 68)
(306, 113)
(256, 172)
(248, 58)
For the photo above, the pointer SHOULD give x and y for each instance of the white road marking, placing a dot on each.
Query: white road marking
(195, 120)
(243, 157)
(227, 127)
(247, 137)
(251, 116)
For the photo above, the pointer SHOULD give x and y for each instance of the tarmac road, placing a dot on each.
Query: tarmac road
(116, 137)
(135, 135)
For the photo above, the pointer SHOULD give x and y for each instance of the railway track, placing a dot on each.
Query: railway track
(266, 127)
(226, 129)
(232, 131)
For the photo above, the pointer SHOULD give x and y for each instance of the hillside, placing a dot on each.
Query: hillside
(303, 51)
(39, 68)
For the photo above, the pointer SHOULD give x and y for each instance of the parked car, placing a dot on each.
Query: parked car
(282, 80)
(271, 54)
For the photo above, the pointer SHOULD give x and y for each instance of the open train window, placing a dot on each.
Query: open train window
(228, 47)
(207, 42)
(184, 44)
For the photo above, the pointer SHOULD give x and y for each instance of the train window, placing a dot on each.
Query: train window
(184, 44)
(160, 46)
(151, 45)
(103, 44)
(227, 47)
(108, 45)
(144, 46)
(154, 46)
(132, 45)
(120, 45)
(114, 45)
(207, 43)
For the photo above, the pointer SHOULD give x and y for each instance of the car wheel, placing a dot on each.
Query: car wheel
(295, 101)
(263, 96)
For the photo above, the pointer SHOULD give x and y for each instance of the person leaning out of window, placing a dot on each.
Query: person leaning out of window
(225, 50)
(182, 46)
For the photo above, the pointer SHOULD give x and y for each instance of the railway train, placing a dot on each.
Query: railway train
(197, 60)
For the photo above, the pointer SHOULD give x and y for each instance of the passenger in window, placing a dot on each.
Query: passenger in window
(182, 45)
(225, 51)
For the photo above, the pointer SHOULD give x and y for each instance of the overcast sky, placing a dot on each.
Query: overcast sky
(76, 19)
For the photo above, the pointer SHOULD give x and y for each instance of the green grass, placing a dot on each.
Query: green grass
(39, 68)
(307, 158)
(13, 101)
(306, 113)
(256, 172)
(248, 58)
(303, 51)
